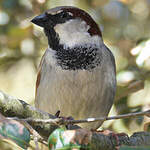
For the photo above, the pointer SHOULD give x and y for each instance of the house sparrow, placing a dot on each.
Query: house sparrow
(77, 73)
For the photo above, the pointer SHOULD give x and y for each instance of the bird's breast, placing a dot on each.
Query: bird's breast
(68, 91)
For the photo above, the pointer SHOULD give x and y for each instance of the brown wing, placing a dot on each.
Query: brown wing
(39, 75)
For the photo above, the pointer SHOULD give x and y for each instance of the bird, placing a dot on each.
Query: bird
(77, 73)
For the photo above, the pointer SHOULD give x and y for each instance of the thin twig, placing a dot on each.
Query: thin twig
(61, 121)
(57, 121)
(35, 134)
(129, 115)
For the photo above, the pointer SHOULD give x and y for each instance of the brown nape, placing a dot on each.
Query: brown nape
(94, 29)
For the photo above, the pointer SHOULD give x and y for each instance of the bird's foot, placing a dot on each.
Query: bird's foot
(69, 126)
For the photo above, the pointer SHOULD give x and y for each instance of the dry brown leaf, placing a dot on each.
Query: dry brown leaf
(81, 136)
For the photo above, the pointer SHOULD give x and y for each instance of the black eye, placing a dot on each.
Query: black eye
(47, 14)
(64, 15)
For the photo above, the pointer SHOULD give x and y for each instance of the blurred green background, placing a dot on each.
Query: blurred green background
(125, 25)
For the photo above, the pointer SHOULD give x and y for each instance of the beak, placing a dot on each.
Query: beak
(40, 20)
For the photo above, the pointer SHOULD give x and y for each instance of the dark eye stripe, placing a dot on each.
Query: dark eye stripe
(46, 13)
(64, 15)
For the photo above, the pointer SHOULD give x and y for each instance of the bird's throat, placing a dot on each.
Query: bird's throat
(73, 58)
(78, 58)
(53, 38)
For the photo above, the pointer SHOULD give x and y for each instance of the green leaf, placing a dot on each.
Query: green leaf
(15, 131)
(59, 141)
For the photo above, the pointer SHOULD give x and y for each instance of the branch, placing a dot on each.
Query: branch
(109, 142)
(61, 121)
(13, 107)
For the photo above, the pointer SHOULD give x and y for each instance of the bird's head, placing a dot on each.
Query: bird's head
(68, 26)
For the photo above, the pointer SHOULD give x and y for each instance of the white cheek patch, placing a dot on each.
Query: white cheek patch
(75, 32)
(70, 13)
(55, 12)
